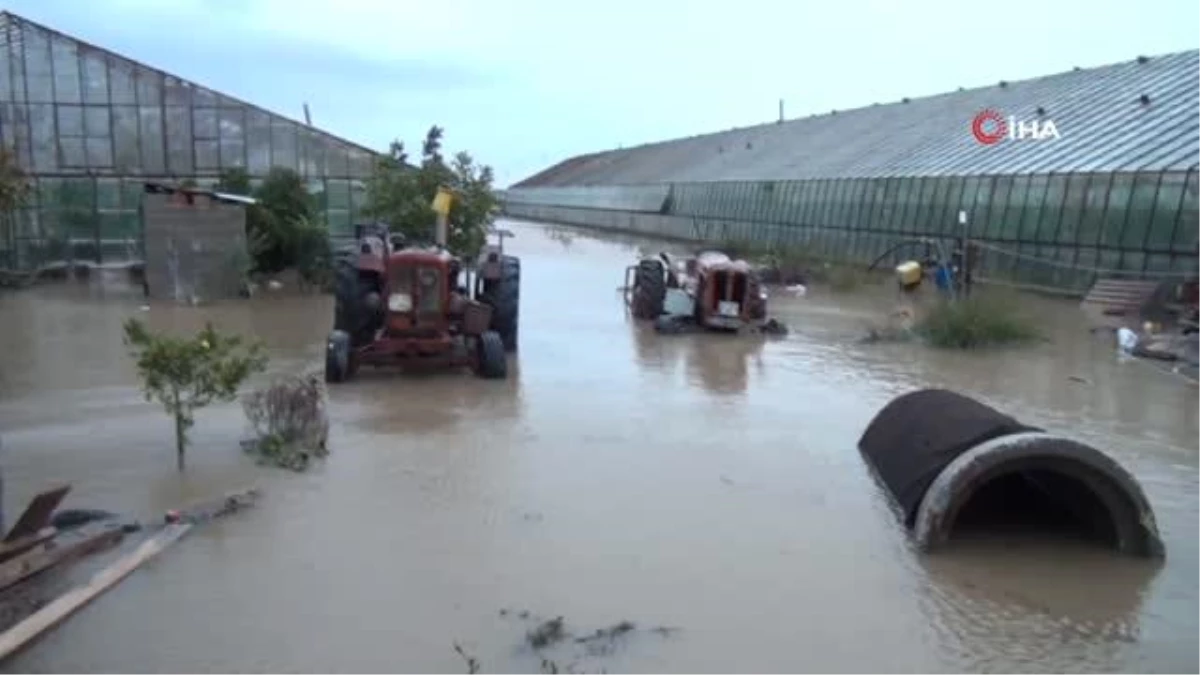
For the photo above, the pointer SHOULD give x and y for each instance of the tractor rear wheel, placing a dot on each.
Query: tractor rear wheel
(649, 289)
(504, 295)
(338, 367)
(493, 363)
(350, 313)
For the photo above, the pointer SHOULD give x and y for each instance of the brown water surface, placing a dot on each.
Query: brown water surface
(696, 482)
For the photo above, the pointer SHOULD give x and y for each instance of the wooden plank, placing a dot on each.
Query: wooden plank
(37, 514)
(67, 547)
(11, 549)
(65, 605)
(179, 523)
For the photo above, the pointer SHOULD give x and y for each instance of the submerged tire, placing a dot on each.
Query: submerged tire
(649, 289)
(337, 357)
(493, 362)
(504, 295)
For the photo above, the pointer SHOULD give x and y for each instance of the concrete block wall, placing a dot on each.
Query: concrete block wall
(195, 251)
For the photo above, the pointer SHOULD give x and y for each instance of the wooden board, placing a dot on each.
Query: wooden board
(11, 549)
(36, 515)
(66, 547)
(66, 604)
(179, 523)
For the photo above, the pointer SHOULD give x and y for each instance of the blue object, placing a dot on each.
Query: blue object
(944, 278)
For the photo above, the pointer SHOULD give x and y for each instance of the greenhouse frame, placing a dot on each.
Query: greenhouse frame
(90, 127)
(1115, 194)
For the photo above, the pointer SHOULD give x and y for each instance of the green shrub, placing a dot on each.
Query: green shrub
(186, 374)
(979, 320)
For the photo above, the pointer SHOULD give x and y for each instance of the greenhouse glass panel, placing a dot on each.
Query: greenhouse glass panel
(108, 193)
(1073, 209)
(233, 138)
(120, 82)
(886, 190)
(1119, 195)
(178, 121)
(1052, 208)
(125, 139)
(95, 78)
(1008, 226)
(149, 87)
(150, 124)
(1095, 202)
(1166, 209)
(1140, 211)
(39, 73)
(1031, 214)
(837, 204)
(67, 87)
(854, 204)
(258, 142)
(903, 201)
(176, 92)
(337, 158)
(283, 144)
(1186, 232)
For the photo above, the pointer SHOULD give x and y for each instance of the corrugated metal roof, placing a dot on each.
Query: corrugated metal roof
(1099, 112)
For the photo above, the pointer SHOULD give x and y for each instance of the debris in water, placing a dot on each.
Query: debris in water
(1081, 380)
(547, 633)
(472, 662)
(610, 632)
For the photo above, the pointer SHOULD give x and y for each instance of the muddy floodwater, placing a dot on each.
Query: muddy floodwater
(706, 484)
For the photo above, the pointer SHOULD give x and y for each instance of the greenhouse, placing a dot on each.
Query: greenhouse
(90, 127)
(1057, 179)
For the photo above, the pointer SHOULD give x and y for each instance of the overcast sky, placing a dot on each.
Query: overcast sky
(523, 84)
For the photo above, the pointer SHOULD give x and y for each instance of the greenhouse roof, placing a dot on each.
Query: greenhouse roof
(1139, 115)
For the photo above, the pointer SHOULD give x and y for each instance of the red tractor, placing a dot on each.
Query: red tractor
(402, 305)
(710, 291)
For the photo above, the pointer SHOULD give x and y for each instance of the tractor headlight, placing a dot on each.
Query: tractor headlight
(399, 302)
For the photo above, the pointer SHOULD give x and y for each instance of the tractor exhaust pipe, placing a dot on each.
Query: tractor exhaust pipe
(441, 231)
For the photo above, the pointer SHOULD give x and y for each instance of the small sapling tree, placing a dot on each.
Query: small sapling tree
(186, 374)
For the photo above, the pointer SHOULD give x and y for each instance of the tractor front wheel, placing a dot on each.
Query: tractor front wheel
(493, 362)
(338, 367)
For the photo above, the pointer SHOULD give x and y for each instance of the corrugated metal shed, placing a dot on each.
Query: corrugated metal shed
(1139, 115)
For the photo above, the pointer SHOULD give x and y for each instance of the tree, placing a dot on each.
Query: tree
(284, 228)
(235, 181)
(186, 374)
(14, 182)
(401, 195)
(277, 225)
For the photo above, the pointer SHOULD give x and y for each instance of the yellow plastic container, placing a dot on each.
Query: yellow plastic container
(909, 273)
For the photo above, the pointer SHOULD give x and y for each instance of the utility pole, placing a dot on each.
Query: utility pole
(781, 111)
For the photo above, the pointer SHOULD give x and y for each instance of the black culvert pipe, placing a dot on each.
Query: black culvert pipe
(934, 450)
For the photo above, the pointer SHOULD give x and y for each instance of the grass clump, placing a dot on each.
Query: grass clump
(976, 321)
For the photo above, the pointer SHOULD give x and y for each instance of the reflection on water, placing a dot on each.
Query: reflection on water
(702, 481)
(714, 362)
